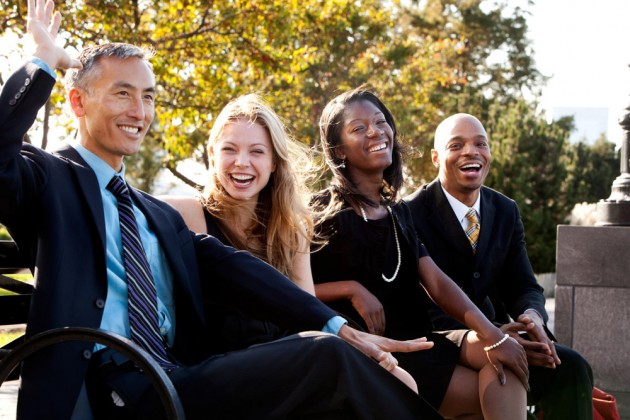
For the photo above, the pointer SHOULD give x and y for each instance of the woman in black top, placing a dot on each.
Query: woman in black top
(374, 269)
(254, 200)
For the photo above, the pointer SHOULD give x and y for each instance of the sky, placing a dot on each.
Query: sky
(584, 46)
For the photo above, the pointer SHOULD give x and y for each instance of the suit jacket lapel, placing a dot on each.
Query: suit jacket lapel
(170, 243)
(443, 218)
(488, 211)
(89, 187)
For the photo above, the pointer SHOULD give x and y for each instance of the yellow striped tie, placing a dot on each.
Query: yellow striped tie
(473, 228)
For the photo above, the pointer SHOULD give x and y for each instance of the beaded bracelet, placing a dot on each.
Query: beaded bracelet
(497, 344)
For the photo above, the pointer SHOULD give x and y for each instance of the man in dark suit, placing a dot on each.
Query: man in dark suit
(495, 271)
(62, 214)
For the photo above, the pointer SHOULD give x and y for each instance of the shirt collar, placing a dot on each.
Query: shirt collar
(103, 171)
(460, 208)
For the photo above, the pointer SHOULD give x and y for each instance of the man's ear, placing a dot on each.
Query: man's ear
(76, 97)
(435, 158)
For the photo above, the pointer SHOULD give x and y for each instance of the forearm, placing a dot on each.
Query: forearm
(336, 290)
(241, 281)
(24, 93)
(457, 304)
(23, 168)
(519, 290)
(454, 301)
(530, 300)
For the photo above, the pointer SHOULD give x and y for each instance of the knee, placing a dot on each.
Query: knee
(574, 366)
(340, 357)
(328, 344)
(573, 360)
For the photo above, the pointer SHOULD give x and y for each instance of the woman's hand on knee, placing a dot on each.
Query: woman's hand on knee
(511, 355)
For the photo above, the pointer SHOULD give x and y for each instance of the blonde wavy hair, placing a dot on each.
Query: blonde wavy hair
(282, 223)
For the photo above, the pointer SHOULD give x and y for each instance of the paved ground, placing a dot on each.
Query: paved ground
(8, 391)
(8, 399)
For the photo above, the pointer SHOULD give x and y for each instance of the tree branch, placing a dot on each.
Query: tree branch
(171, 167)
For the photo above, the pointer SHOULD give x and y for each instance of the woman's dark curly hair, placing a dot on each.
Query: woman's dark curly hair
(330, 126)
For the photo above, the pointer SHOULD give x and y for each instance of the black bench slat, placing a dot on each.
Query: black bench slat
(15, 286)
(14, 309)
(10, 256)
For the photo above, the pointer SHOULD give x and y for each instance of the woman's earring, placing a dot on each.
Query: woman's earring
(342, 165)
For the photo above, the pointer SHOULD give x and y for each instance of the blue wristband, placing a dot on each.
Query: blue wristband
(334, 324)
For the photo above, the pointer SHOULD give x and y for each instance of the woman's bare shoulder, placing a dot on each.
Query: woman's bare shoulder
(191, 210)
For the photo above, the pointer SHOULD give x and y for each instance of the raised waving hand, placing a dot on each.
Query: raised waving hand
(43, 25)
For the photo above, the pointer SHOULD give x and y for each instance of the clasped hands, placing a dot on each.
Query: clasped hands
(539, 348)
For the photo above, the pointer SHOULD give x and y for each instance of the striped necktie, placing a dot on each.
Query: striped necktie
(473, 229)
(142, 302)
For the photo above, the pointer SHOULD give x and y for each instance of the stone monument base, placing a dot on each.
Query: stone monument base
(613, 213)
(592, 312)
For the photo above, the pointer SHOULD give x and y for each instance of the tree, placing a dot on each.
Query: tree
(498, 57)
(529, 164)
(297, 53)
(592, 170)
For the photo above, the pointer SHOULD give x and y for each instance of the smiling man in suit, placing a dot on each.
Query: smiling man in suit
(476, 236)
(107, 255)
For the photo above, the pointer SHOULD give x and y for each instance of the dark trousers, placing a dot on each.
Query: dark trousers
(306, 376)
(565, 392)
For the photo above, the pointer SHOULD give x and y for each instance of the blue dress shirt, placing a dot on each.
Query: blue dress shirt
(115, 316)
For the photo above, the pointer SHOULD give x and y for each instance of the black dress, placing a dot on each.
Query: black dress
(364, 251)
(235, 330)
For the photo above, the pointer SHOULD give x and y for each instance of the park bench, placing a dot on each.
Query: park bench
(14, 308)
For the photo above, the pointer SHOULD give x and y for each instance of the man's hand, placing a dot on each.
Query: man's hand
(537, 353)
(43, 26)
(540, 350)
(380, 348)
(369, 307)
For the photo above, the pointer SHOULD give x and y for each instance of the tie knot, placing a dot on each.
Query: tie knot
(472, 216)
(118, 187)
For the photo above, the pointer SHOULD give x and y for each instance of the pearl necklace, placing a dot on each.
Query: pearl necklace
(389, 209)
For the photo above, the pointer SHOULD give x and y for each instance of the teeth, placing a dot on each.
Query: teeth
(377, 148)
(129, 129)
(472, 166)
(242, 178)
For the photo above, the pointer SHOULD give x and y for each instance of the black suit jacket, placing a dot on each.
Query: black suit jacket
(499, 278)
(52, 206)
